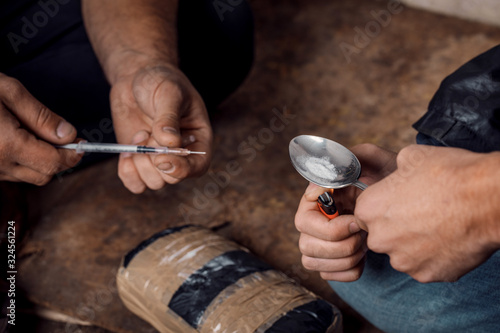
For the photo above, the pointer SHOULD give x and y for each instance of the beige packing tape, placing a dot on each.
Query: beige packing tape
(251, 304)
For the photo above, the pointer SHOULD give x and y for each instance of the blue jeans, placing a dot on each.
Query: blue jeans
(395, 302)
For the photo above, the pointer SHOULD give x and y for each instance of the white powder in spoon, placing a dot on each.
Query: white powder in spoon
(321, 167)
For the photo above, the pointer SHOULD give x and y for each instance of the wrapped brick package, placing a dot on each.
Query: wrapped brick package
(189, 279)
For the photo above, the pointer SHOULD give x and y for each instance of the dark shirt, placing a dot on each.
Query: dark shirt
(28, 27)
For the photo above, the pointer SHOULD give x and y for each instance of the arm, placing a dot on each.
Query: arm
(133, 32)
(438, 215)
(152, 101)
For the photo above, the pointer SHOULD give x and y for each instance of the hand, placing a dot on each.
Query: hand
(158, 106)
(434, 214)
(28, 131)
(336, 248)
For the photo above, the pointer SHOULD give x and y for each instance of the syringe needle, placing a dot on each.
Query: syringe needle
(94, 147)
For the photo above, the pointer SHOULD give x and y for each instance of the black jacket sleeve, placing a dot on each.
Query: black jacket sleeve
(465, 111)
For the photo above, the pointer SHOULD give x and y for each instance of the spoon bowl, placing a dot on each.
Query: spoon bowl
(324, 162)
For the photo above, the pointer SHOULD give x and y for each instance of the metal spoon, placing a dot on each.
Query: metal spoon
(325, 163)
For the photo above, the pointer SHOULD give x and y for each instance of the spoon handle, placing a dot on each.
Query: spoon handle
(362, 186)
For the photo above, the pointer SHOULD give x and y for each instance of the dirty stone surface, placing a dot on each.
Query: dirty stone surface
(304, 82)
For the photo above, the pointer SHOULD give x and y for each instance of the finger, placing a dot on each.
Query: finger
(27, 175)
(34, 115)
(373, 203)
(129, 174)
(318, 248)
(313, 191)
(376, 157)
(127, 168)
(172, 168)
(333, 265)
(309, 220)
(350, 275)
(176, 168)
(40, 156)
(167, 104)
(9, 178)
(144, 164)
(148, 172)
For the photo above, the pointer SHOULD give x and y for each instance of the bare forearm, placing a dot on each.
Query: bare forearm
(126, 34)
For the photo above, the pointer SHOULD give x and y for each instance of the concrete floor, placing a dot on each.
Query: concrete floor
(86, 221)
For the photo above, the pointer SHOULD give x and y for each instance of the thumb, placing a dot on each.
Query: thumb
(37, 117)
(313, 191)
(363, 211)
(167, 115)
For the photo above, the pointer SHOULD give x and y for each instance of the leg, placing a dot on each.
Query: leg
(394, 302)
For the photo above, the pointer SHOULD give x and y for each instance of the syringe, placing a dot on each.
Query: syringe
(94, 147)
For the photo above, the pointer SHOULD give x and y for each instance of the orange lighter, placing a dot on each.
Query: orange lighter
(327, 206)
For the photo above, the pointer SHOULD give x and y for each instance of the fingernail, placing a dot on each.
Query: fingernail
(354, 228)
(166, 167)
(171, 130)
(139, 137)
(64, 129)
(188, 140)
(126, 155)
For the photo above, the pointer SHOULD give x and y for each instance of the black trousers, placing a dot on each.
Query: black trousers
(215, 51)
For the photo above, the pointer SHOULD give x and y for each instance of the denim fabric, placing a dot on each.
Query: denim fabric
(395, 302)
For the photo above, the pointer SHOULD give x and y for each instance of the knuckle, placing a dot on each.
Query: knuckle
(373, 244)
(43, 116)
(156, 185)
(49, 166)
(361, 214)
(355, 274)
(309, 263)
(135, 188)
(42, 180)
(399, 263)
(299, 222)
(303, 245)
(404, 154)
(327, 276)
(366, 148)
(423, 277)
(12, 88)
(170, 118)
(51, 169)
(126, 170)
(174, 181)
(351, 262)
(350, 247)
(72, 160)
(182, 172)
(5, 151)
